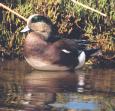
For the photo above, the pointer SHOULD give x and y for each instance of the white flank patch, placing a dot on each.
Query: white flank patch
(66, 51)
(81, 59)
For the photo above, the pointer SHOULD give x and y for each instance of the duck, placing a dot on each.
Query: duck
(43, 50)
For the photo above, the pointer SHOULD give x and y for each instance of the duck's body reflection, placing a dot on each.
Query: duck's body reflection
(66, 81)
(42, 87)
(51, 81)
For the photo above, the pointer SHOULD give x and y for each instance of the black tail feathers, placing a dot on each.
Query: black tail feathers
(92, 52)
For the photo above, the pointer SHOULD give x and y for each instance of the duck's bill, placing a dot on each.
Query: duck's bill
(26, 29)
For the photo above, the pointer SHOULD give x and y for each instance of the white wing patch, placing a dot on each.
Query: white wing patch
(66, 51)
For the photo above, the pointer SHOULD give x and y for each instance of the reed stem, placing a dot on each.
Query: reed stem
(10, 10)
(87, 7)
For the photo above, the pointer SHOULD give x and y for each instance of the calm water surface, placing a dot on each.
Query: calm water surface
(25, 89)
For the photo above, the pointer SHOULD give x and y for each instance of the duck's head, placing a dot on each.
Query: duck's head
(39, 24)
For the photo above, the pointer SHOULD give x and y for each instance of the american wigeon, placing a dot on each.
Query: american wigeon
(62, 54)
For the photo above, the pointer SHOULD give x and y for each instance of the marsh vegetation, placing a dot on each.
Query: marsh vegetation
(70, 21)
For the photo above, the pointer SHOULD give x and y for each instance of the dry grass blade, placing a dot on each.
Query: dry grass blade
(87, 7)
(7, 8)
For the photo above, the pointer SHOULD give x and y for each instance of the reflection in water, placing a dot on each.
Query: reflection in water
(27, 90)
(81, 82)
(81, 105)
(50, 81)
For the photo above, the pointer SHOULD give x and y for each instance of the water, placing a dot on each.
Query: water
(24, 89)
